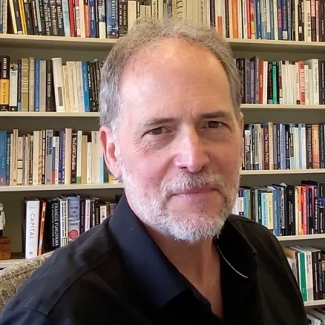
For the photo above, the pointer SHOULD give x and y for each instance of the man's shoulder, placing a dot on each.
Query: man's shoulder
(66, 270)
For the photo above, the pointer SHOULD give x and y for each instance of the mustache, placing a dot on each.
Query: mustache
(187, 181)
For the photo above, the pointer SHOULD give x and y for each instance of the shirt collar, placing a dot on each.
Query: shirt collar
(153, 274)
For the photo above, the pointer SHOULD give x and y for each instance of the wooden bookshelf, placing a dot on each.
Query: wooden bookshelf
(245, 107)
(49, 114)
(68, 187)
(95, 44)
(56, 42)
(314, 303)
(60, 187)
(301, 237)
(262, 45)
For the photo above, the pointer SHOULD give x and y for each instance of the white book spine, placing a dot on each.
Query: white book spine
(32, 228)
(57, 161)
(102, 213)
(73, 88)
(87, 214)
(13, 92)
(64, 222)
(20, 161)
(89, 162)
(82, 18)
(58, 84)
(80, 92)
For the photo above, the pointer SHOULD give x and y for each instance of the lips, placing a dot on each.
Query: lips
(197, 190)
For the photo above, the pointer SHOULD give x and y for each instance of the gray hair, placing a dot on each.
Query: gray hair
(145, 33)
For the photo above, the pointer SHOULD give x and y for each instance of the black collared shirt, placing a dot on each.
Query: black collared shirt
(115, 274)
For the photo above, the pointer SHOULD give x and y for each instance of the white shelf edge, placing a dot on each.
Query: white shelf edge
(60, 187)
(244, 107)
(11, 262)
(300, 237)
(282, 172)
(66, 187)
(314, 303)
(48, 114)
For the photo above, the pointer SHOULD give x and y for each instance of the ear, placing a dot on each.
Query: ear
(108, 143)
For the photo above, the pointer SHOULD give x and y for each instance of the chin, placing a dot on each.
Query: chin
(193, 226)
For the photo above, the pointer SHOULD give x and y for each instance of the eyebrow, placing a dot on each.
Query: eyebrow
(164, 120)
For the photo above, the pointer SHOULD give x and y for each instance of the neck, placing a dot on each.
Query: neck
(197, 262)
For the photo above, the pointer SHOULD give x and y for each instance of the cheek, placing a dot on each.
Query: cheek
(228, 157)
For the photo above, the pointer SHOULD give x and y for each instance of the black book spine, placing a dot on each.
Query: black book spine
(17, 17)
(54, 18)
(43, 19)
(50, 104)
(47, 17)
(34, 17)
(28, 17)
(60, 17)
(309, 150)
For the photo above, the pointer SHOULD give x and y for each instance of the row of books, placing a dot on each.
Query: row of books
(52, 157)
(301, 20)
(297, 20)
(270, 146)
(308, 267)
(285, 209)
(34, 85)
(52, 223)
(70, 156)
(282, 82)
(316, 316)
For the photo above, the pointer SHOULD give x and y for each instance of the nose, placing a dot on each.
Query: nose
(191, 152)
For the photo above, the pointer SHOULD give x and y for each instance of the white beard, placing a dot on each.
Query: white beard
(192, 227)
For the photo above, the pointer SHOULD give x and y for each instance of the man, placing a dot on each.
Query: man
(172, 252)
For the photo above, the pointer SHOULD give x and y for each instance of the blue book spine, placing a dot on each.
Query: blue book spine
(264, 209)
(279, 6)
(258, 19)
(1, 16)
(19, 85)
(284, 20)
(73, 217)
(84, 65)
(65, 14)
(92, 31)
(53, 158)
(3, 149)
(37, 85)
(112, 18)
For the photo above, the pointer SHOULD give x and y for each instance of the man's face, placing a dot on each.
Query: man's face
(178, 145)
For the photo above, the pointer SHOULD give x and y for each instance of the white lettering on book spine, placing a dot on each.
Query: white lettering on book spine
(32, 228)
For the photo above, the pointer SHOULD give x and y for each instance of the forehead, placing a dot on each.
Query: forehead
(173, 72)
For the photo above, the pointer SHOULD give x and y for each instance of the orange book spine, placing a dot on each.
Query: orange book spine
(235, 18)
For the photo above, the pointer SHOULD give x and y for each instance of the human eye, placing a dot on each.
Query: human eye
(157, 131)
(214, 124)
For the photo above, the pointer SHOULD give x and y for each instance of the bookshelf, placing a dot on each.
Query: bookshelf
(76, 48)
